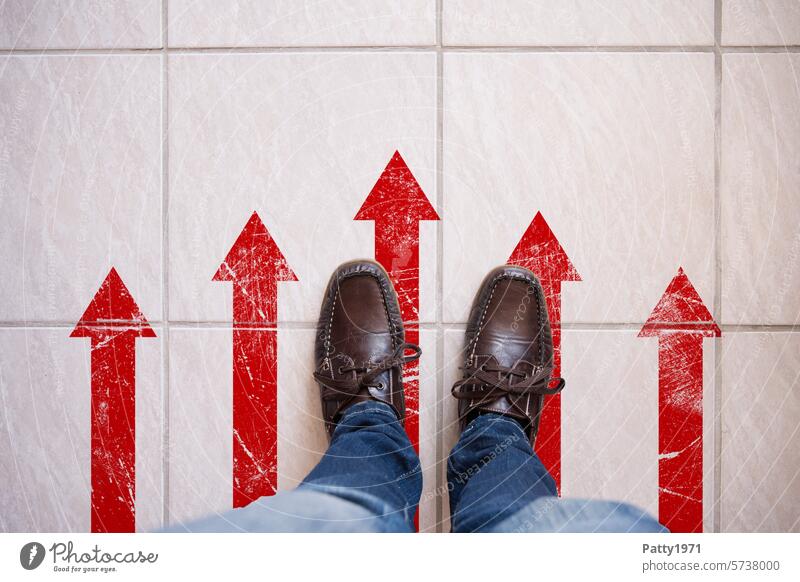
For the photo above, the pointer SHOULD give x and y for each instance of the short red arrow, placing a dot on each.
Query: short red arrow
(255, 265)
(113, 322)
(397, 204)
(540, 251)
(681, 321)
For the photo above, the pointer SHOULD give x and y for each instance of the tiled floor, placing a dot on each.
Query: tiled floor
(650, 135)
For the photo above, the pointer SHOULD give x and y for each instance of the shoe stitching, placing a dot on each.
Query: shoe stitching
(384, 294)
(537, 292)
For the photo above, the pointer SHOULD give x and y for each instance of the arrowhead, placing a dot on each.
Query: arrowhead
(254, 256)
(540, 251)
(112, 306)
(680, 309)
(397, 195)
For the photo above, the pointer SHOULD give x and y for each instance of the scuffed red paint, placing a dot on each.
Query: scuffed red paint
(681, 321)
(254, 265)
(680, 309)
(397, 204)
(113, 321)
(540, 251)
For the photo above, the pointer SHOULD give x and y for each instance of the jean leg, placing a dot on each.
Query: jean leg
(551, 514)
(492, 473)
(372, 463)
(293, 512)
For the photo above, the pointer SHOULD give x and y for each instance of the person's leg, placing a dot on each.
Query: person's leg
(552, 514)
(372, 463)
(492, 473)
(492, 470)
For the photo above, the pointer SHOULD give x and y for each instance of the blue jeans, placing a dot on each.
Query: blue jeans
(370, 480)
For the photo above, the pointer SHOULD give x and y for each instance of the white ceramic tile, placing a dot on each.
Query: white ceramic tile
(609, 416)
(578, 22)
(301, 23)
(616, 151)
(760, 22)
(45, 431)
(760, 432)
(58, 24)
(760, 184)
(80, 182)
(301, 139)
(200, 460)
(449, 429)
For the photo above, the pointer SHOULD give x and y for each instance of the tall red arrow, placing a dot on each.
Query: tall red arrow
(254, 265)
(540, 251)
(681, 321)
(113, 322)
(397, 204)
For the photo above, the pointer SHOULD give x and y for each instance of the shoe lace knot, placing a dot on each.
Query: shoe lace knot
(356, 378)
(490, 380)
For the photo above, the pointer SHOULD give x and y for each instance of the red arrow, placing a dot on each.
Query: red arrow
(681, 321)
(540, 251)
(254, 265)
(397, 204)
(113, 321)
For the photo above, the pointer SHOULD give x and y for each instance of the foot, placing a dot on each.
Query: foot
(360, 348)
(509, 351)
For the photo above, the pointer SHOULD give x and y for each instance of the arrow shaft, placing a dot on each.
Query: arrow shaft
(255, 414)
(255, 301)
(113, 438)
(397, 250)
(548, 441)
(680, 431)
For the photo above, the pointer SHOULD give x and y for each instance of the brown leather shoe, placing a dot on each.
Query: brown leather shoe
(360, 342)
(509, 351)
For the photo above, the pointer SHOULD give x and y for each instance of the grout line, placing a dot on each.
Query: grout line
(759, 49)
(165, 387)
(405, 48)
(430, 326)
(717, 305)
(439, 268)
(80, 52)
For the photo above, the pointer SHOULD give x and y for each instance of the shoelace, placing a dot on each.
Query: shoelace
(500, 380)
(364, 376)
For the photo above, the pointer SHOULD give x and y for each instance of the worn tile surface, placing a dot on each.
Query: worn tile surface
(760, 417)
(66, 24)
(80, 177)
(578, 22)
(304, 154)
(609, 415)
(45, 431)
(615, 151)
(760, 22)
(760, 189)
(201, 419)
(301, 23)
